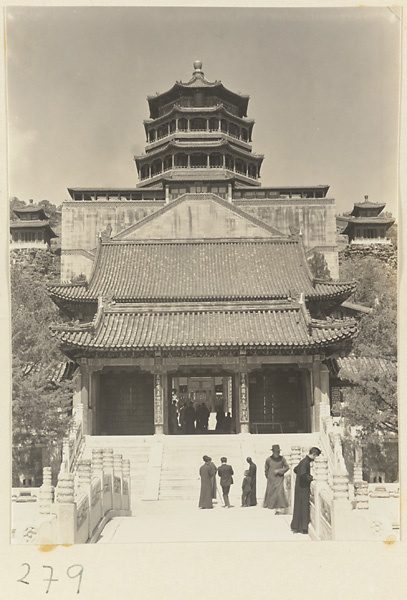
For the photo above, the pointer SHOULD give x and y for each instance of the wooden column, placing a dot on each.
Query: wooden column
(243, 394)
(321, 408)
(85, 397)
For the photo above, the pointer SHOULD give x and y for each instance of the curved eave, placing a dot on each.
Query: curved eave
(200, 146)
(194, 110)
(158, 100)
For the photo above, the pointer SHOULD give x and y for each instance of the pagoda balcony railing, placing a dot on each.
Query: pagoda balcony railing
(200, 133)
(370, 241)
(196, 167)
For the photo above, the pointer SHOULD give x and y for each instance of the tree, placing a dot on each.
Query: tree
(371, 403)
(15, 203)
(376, 288)
(41, 407)
(319, 267)
(52, 212)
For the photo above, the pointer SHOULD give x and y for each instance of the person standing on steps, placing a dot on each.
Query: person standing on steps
(252, 475)
(274, 469)
(225, 473)
(207, 473)
(301, 513)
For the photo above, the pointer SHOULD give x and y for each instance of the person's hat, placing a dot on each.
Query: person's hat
(206, 458)
(275, 447)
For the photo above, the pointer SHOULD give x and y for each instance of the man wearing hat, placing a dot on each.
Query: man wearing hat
(274, 469)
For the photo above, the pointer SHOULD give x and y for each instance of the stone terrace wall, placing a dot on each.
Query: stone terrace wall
(387, 254)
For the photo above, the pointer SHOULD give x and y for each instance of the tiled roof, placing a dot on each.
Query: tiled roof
(201, 270)
(350, 366)
(27, 224)
(123, 328)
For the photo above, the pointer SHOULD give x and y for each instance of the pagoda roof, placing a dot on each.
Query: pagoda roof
(358, 207)
(30, 209)
(33, 224)
(199, 146)
(197, 109)
(197, 82)
(354, 221)
(201, 270)
(280, 327)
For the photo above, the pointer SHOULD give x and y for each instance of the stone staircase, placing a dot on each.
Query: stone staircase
(166, 468)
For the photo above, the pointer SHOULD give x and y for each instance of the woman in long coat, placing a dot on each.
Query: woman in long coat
(275, 467)
(207, 473)
(301, 513)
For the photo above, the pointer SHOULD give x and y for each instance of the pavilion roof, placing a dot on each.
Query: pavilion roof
(280, 327)
(197, 82)
(201, 270)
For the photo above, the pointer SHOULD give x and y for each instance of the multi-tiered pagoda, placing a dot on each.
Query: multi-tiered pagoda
(195, 284)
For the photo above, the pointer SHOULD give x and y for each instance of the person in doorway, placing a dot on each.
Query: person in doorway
(274, 469)
(182, 417)
(301, 513)
(204, 418)
(190, 416)
(220, 417)
(173, 418)
(207, 474)
(225, 473)
(252, 475)
(227, 423)
(246, 489)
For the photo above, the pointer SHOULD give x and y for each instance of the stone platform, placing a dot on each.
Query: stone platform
(182, 521)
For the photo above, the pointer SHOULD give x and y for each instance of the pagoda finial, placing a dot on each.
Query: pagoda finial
(198, 68)
(366, 198)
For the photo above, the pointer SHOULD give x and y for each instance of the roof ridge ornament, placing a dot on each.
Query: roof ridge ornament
(198, 69)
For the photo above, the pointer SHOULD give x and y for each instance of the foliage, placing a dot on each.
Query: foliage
(15, 203)
(319, 267)
(371, 403)
(40, 406)
(376, 288)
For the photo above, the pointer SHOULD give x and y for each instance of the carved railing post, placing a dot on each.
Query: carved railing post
(320, 474)
(126, 487)
(84, 485)
(65, 508)
(107, 479)
(117, 480)
(362, 495)
(46, 493)
(97, 470)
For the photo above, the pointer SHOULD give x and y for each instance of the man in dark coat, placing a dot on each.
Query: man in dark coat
(301, 514)
(189, 416)
(252, 475)
(207, 473)
(225, 473)
(205, 418)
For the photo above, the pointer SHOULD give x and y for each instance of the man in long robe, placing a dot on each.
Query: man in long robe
(301, 513)
(207, 474)
(252, 475)
(274, 469)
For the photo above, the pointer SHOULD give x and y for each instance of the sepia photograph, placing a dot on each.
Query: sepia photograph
(203, 263)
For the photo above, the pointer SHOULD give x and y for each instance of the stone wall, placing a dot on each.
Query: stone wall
(83, 221)
(314, 217)
(387, 254)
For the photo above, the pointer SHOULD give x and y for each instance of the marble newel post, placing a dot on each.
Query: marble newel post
(243, 387)
(159, 389)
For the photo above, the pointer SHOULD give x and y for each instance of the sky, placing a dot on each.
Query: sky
(323, 86)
